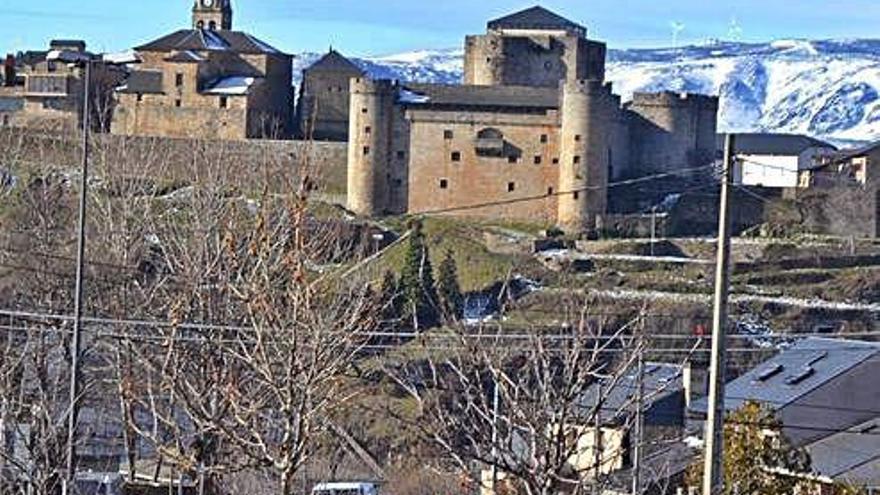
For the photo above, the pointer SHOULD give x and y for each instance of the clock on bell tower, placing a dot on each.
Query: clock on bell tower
(212, 14)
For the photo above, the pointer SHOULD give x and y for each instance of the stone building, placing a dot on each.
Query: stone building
(208, 81)
(41, 93)
(535, 134)
(322, 112)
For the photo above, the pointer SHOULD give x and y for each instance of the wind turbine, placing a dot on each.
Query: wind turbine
(677, 29)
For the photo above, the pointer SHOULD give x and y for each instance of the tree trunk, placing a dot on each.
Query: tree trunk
(288, 482)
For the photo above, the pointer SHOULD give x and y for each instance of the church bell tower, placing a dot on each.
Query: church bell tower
(212, 15)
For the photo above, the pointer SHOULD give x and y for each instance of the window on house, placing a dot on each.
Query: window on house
(544, 138)
(178, 79)
(368, 130)
(556, 161)
(366, 150)
(140, 97)
(224, 102)
(51, 66)
(549, 191)
(577, 159)
(512, 159)
(364, 110)
(456, 156)
(576, 195)
(448, 134)
(401, 155)
(5, 120)
(444, 184)
(178, 103)
(538, 160)
(511, 186)
(577, 137)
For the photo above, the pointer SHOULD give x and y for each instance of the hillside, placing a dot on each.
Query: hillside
(824, 88)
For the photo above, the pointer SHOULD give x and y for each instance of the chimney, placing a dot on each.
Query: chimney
(696, 382)
(9, 71)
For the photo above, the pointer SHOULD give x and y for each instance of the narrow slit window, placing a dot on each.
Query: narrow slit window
(368, 130)
(511, 186)
(366, 150)
(538, 160)
(444, 184)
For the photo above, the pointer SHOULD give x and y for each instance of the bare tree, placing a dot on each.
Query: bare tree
(513, 406)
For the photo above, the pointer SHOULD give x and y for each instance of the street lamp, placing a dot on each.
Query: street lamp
(84, 61)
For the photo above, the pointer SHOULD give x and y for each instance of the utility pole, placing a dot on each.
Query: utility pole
(713, 475)
(76, 341)
(639, 417)
(495, 404)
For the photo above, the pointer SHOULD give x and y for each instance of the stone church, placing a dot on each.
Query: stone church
(534, 134)
(208, 81)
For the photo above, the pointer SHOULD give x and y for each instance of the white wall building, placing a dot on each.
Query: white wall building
(776, 160)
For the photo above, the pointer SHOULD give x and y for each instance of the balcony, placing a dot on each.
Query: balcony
(48, 85)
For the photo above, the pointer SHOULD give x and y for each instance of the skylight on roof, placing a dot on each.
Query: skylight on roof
(800, 376)
(769, 372)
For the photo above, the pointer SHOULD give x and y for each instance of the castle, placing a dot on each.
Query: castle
(208, 81)
(534, 134)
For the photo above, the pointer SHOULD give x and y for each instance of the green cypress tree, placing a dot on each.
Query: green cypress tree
(449, 290)
(417, 281)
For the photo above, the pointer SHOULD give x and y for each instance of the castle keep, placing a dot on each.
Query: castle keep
(207, 82)
(535, 133)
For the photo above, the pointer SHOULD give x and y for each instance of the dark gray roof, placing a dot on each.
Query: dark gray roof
(773, 144)
(67, 43)
(660, 382)
(852, 456)
(521, 97)
(536, 18)
(30, 57)
(795, 372)
(204, 39)
(143, 81)
(860, 151)
(186, 57)
(334, 61)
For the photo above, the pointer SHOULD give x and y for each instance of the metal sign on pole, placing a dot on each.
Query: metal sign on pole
(713, 475)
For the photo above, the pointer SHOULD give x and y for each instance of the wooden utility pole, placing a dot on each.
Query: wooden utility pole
(639, 417)
(713, 475)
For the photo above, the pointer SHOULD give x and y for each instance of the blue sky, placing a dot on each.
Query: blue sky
(377, 27)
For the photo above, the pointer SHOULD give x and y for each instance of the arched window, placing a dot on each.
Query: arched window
(490, 133)
(200, 25)
(212, 26)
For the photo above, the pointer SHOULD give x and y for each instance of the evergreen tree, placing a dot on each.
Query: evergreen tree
(449, 290)
(417, 281)
(390, 302)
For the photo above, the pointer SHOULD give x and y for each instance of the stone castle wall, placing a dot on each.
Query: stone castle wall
(671, 131)
(541, 60)
(447, 172)
(323, 109)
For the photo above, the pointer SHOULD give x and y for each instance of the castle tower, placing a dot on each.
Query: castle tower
(212, 14)
(370, 128)
(588, 111)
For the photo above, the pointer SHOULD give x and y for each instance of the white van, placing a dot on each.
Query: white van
(346, 488)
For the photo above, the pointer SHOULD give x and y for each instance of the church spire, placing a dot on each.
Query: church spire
(212, 14)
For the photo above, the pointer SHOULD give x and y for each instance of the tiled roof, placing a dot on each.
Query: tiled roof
(438, 95)
(203, 39)
(334, 61)
(535, 18)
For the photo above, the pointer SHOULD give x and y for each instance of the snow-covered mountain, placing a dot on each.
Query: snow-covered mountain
(829, 89)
